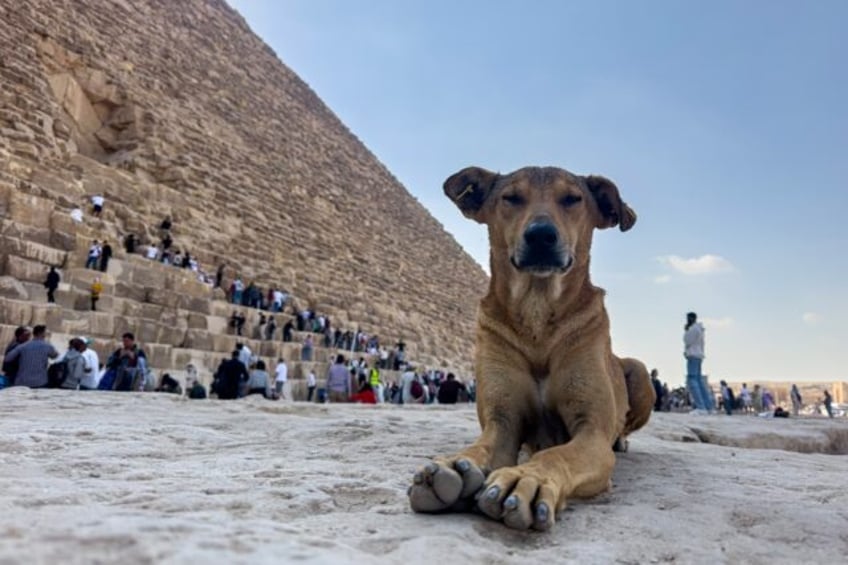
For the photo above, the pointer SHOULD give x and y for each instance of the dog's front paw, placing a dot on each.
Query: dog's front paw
(445, 485)
(520, 497)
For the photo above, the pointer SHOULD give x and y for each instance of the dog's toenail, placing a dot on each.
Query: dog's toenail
(431, 468)
(463, 466)
(542, 512)
(511, 502)
(493, 493)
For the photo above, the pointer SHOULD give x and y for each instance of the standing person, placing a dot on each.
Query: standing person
(727, 398)
(130, 243)
(93, 255)
(306, 352)
(338, 381)
(658, 389)
(51, 284)
(310, 385)
(96, 290)
(97, 202)
(219, 276)
(10, 368)
(245, 354)
(270, 328)
(105, 255)
(281, 375)
(32, 358)
(288, 328)
(92, 360)
(693, 341)
(828, 403)
(797, 404)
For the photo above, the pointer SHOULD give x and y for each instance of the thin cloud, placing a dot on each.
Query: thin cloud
(811, 318)
(718, 323)
(662, 279)
(703, 265)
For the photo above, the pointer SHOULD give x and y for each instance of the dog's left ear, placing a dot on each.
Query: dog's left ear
(469, 189)
(614, 212)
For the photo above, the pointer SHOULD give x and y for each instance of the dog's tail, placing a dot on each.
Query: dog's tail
(640, 394)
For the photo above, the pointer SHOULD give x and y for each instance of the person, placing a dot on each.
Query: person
(231, 374)
(90, 380)
(745, 395)
(129, 362)
(166, 224)
(797, 404)
(306, 352)
(105, 255)
(828, 403)
(77, 367)
(219, 276)
(281, 373)
(449, 390)
(259, 382)
(197, 391)
(270, 328)
(169, 384)
(310, 385)
(658, 389)
(288, 328)
(693, 340)
(76, 215)
(96, 290)
(97, 202)
(406, 380)
(727, 398)
(130, 243)
(10, 368)
(93, 255)
(338, 380)
(32, 358)
(245, 354)
(51, 284)
(364, 394)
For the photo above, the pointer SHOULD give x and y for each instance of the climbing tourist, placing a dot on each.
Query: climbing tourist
(51, 284)
(93, 255)
(105, 255)
(97, 202)
(96, 290)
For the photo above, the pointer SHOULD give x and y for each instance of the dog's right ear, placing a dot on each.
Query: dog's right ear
(469, 189)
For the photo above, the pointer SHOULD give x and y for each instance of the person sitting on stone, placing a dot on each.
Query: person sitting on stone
(197, 391)
(259, 381)
(169, 384)
(364, 393)
(449, 390)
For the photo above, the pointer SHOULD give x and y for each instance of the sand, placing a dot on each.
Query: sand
(148, 478)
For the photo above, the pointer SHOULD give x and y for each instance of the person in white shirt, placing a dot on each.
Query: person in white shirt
(245, 354)
(693, 341)
(278, 301)
(282, 375)
(97, 202)
(310, 385)
(92, 361)
(152, 252)
(76, 215)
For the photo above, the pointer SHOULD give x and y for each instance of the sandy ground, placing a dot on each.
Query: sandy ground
(109, 477)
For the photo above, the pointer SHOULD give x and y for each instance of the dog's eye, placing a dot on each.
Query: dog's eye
(513, 199)
(570, 200)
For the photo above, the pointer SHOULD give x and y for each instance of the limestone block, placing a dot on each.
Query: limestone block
(199, 339)
(28, 209)
(197, 321)
(132, 292)
(15, 312)
(24, 269)
(162, 297)
(149, 332)
(217, 324)
(132, 307)
(200, 305)
(224, 344)
(10, 287)
(158, 354)
(33, 251)
(172, 335)
(152, 311)
(34, 234)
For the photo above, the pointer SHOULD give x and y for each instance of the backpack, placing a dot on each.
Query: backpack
(56, 374)
(416, 390)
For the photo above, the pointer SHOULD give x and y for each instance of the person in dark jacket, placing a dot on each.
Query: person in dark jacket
(51, 284)
(449, 390)
(105, 255)
(231, 374)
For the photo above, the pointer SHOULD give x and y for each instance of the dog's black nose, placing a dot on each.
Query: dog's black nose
(541, 235)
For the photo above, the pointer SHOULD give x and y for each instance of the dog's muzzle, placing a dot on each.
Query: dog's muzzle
(541, 250)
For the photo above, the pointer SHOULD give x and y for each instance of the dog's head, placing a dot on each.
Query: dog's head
(540, 219)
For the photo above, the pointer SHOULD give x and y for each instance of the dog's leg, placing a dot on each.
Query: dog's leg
(531, 494)
(450, 483)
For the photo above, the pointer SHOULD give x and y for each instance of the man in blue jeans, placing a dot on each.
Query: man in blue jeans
(693, 341)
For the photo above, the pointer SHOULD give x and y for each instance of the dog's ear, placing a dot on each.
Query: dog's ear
(614, 212)
(469, 189)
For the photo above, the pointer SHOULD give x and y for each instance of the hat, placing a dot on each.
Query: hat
(85, 340)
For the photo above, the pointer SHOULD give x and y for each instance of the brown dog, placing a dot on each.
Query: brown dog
(548, 382)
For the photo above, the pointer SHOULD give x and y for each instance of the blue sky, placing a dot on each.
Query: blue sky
(723, 124)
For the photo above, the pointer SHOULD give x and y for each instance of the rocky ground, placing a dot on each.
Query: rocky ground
(109, 477)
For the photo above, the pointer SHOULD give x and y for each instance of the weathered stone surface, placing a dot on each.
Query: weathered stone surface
(10, 287)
